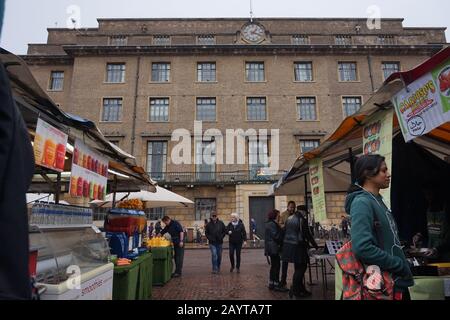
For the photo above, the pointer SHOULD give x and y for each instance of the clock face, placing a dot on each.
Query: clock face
(253, 33)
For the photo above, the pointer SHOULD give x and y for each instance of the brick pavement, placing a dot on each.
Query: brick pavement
(198, 283)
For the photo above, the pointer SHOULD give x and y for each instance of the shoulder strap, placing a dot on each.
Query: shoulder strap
(378, 233)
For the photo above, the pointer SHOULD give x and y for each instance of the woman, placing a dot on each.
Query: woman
(237, 237)
(363, 203)
(272, 248)
(297, 240)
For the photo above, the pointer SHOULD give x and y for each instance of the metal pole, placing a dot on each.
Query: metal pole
(115, 190)
(57, 187)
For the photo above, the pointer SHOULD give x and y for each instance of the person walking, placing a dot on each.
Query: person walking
(215, 232)
(296, 242)
(272, 249)
(176, 232)
(282, 218)
(237, 237)
(365, 206)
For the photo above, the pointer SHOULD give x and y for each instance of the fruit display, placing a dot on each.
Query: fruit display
(158, 242)
(134, 204)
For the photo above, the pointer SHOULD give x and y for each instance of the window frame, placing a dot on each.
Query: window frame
(149, 117)
(247, 71)
(297, 63)
(197, 113)
(316, 109)
(266, 111)
(102, 110)
(149, 159)
(350, 97)
(200, 71)
(122, 71)
(200, 217)
(50, 86)
(168, 71)
(356, 71)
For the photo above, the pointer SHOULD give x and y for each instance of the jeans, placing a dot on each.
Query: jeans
(235, 247)
(216, 256)
(298, 285)
(178, 257)
(284, 270)
(274, 268)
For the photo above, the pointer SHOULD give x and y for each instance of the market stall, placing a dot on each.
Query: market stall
(69, 256)
(411, 106)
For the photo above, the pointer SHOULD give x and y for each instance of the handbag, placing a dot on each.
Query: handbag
(360, 282)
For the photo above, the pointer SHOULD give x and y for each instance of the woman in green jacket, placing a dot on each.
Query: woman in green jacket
(364, 203)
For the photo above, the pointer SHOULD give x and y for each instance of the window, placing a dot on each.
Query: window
(205, 160)
(390, 68)
(115, 72)
(347, 71)
(303, 71)
(254, 71)
(159, 109)
(118, 40)
(206, 109)
(206, 40)
(256, 109)
(258, 156)
(308, 145)
(57, 80)
(306, 107)
(112, 109)
(351, 105)
(161, 72)
(161, 40)
(204, 207)
(156, 159)
(206, 71)
(343, 40)
(299, 39)
(386, 40)
(155, 213)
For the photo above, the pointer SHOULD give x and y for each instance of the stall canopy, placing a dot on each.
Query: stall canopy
(160, 199)
(347, 139)
(34, 103)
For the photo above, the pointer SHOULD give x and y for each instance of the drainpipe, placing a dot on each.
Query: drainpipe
(136, 88)
(369, 61)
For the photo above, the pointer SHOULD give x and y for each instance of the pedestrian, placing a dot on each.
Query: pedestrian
(16, 172)
(151, 228)
(282, 222)
(237, 237)
(253, 231)
(176, 232)
(296, 242)
(344, 226)
(365, 205)
(272, 249)
(158, 227)
(215, 232)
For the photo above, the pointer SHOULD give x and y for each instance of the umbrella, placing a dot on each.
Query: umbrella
(159, 199)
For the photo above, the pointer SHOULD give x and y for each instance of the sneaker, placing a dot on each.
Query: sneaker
(280, 289)
(231, 269)
(176, 275)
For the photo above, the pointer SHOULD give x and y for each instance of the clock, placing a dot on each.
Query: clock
(253, 32)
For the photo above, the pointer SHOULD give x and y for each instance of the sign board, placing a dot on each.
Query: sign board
(317, 189)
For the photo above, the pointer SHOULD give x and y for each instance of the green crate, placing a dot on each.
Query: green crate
(162, 265)
(125, 282)
(145, 281)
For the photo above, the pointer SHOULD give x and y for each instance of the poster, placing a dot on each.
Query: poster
(89, 173)
(377, 139)
(49, 146)
(318, 191)
(425, 103)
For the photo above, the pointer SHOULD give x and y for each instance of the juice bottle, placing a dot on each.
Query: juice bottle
(49, 153)
(73, 186)
(80, 187)
(91, 190)
(76, 154)
(86, 189)
(85, 161)
(95, 191)
(60, 156)
(38, 148)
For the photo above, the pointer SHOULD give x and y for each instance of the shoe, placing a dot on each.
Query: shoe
(283, 284)
(231, 269)
(271, 287)
(237, 270)
(176, 275)
(280, 289)
(306, 293)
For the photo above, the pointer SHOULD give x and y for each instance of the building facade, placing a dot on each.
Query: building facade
(142, 79)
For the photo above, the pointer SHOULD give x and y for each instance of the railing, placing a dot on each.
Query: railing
(230, 177)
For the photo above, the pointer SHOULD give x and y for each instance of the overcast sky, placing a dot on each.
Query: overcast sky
(26, 21)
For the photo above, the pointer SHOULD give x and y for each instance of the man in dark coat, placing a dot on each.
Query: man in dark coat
(16, 172)
(215, 232)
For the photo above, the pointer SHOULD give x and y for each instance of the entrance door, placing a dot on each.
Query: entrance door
(259, 208)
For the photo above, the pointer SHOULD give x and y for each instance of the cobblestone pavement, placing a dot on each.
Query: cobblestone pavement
(198, 283)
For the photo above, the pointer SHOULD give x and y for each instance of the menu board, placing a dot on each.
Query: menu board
(49, 146)
(89, 176)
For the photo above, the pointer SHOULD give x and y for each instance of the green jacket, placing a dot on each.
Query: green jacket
(362, 206)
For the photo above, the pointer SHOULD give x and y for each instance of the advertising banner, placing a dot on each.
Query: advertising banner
(317, 189)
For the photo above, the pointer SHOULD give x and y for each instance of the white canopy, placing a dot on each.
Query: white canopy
(161, 198)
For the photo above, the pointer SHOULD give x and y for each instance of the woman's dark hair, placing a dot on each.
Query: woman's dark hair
(366, 166)
(272, 215)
